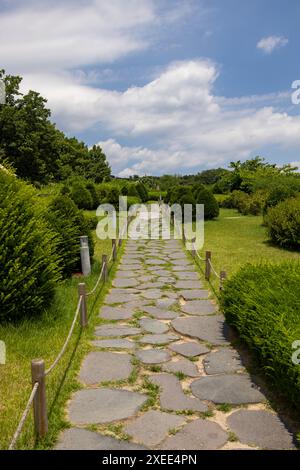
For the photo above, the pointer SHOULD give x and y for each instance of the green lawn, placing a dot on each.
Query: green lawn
(43, 338)
(235, 240)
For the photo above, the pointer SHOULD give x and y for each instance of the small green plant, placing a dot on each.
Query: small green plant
(208, 414)
(180, 375)
(173, 431)
(224, 407)
(232, 437)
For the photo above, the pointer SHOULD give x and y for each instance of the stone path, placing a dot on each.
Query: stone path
(162, 373)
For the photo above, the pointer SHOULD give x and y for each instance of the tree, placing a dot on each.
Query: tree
(33, 145)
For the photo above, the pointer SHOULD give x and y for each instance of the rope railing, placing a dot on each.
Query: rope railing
(37, 396)
(62, 351)
(209, 267)
(24, 416)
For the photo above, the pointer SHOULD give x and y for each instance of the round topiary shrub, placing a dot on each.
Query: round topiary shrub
(283, 223)
(29, 260)
(211, 206)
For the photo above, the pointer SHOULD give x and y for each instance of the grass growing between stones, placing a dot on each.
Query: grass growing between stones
(43, 338)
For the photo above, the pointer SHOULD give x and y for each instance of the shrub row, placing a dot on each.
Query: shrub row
(39, 246)
(263, 303)
(197, 194)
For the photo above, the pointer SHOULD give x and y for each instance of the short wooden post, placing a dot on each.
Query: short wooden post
(207, 265)
(120, 242)
(40, 400)
(83, 308)
(114, 249)
(223, 276)
(85, 256)
(105, 271)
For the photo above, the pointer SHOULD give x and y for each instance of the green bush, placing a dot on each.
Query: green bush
(90, 186)
(68, 222)
(29, 263)
(76, 189)
(278, 194)
(131, 200)
(262, 303)
(142, 191)
(154, 195)
(283, 223)
(211, 206)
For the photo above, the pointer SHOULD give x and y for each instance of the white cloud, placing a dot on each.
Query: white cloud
(52, 36)
(270, 43)
(175, 122)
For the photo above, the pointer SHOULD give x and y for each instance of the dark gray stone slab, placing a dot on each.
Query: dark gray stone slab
(151, 294)
(82, 439)
(185, 366)
(128, 267)
(160, 313)
(260, 428)
(153, 356)
(118, 298)
(151, 285)
(188, 284)
(160, 272)
(116, 330)
(158, 339)
(178, 255)
(181, 263)
(199, 307)
(155, 261)
(114, 343)
(200, 434)
(191, 294)
(104, 405)
(165, 303)
(166, 280)
(235, 389)
(116, 313)
(131, 282)
(153, 427)
(146, 278)
(223, 361)
(126, 274)
(101, 366)
(171, 394)
(153, 326)
(175, 268)
(189, 349)
(208, 328)
(187, 275)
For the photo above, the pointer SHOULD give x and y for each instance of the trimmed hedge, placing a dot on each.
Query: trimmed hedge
(29, 260)
(263, 303)
(283, 223)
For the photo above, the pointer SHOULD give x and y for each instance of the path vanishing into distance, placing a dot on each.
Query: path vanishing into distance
(162, 373)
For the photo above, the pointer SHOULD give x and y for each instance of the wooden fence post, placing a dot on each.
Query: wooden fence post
(105, 272)
(83, 308)
(223, 276)
(114, 249)
(40, 401)
(207, 265)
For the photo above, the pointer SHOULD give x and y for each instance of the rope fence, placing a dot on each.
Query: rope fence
(37, 396)
(209, 267)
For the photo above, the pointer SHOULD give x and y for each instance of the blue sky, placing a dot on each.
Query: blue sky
(163, 86)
